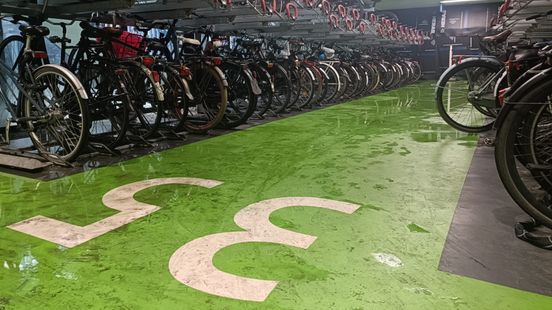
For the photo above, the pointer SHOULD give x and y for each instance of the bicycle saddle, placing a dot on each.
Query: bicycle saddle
(156, 45)
(189, 41)
(94, 32)
(250, 43)
(330, 52)
(524, 54)
(34, 31)
(498, 38)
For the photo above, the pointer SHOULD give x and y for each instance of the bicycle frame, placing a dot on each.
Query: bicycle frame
(7, 74)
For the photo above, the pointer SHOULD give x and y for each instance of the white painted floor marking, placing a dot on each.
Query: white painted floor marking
(388, 259)
(192, 264)
(120, 199)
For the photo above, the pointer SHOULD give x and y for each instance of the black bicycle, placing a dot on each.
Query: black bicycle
(47, 101)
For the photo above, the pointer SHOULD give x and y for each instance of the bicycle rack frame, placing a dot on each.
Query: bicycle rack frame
(352, 21)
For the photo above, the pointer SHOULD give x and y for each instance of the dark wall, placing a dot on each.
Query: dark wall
(463, 27)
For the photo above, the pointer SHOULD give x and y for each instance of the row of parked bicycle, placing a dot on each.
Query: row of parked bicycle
(120, 84)
(509, 89)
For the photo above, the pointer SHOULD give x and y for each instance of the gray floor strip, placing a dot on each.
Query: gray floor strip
(481, 243)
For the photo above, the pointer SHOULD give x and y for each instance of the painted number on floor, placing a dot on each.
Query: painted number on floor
(192, 264)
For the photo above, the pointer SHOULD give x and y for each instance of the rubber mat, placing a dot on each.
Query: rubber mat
(481, 243)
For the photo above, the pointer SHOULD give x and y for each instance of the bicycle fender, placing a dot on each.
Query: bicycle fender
(501, 117)
(80, 89)
(156, 85)
(336, 75)
(356, 72)
(311, 74)
(268, 77)
(222, 76)
(326, 76)
(254, 85)
(527, 86)
(187, 89)
(503, 79)
(492, 61)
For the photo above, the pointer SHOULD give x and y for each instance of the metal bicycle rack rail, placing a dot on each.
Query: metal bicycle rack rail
(350, 21)
(534, 30)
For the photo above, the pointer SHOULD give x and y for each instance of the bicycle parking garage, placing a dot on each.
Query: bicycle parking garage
(292, 154)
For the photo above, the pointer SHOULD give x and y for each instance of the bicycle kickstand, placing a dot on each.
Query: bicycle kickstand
(6, 139)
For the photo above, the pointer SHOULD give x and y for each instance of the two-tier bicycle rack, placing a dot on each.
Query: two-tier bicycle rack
(351, 22)
(515, 13)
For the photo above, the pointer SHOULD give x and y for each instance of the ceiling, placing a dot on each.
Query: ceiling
(409, 4)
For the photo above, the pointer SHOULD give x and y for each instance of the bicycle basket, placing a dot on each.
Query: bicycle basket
(128, 45)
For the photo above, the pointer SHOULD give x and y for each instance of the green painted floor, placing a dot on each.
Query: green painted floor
(389, 153)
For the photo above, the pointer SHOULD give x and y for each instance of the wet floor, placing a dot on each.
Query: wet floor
(388, 157)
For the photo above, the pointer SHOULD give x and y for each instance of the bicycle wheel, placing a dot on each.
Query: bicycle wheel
(386, 75)
(333, 84)
(266, 98)
(373, 78)
(353, 82)
(296, 86)
(417, 70)
(64, 130)
(11, 51)
(463, 91)
(319, 81)
(365, 80)
(282, 88)
(325, 79)
(398, 75)
(381, 74)
(307, 87)
(370, 76)
(241, 99)
(108, 103)
(175, 106)
(146, 108)
(209, 89)
(523, 156)
(344, 81)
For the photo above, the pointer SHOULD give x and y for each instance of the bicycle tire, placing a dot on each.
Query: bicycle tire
(241, 99)
(333, 83)
(441, 106)
(3, 46)
(210, 91)
(146, 108)
(108, 104)
(506, 165)
(282, 88)
(175, 105)
(295, 79)
(12, 63)
(307, 90)
(69, 143)
(265, 81)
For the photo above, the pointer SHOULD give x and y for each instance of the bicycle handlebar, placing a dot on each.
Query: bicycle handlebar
(60, 23)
